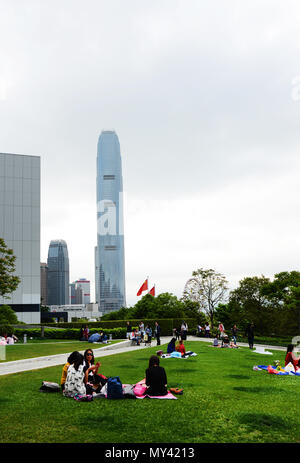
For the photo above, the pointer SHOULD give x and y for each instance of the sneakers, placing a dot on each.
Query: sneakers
(176, 390)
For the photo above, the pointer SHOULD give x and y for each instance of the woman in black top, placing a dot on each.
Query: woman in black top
(156, 378)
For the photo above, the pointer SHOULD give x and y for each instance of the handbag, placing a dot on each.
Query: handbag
(146, 337)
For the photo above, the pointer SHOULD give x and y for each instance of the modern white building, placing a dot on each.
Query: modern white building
(89, 311)
(20, 229)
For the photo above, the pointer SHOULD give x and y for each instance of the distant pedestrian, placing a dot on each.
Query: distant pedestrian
(128, 330)
(207, 330)
(199, 330)
(142, 330)
(86, 333)
(157, 331)
(250, 334)
(183, 330)
(234, 332)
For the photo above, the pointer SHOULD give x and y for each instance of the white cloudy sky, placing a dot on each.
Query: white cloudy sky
(205, 99)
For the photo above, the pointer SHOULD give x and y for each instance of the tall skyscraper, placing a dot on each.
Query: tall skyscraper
(20, 229)
(109, 254)
(58, 273)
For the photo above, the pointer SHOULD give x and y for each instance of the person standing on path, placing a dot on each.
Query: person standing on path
(157, 333)
(234, 331)
(183, 330)
(250, 334)
(128, 330)
(142, 330)
(207, 330)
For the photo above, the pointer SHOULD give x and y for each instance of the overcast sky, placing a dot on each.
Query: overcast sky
(205, 99)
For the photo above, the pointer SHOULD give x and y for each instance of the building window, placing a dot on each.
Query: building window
(109, 177)
(110, 248)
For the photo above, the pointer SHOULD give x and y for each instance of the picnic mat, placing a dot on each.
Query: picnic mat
(177, 355)
(167, 396)
(273, 370)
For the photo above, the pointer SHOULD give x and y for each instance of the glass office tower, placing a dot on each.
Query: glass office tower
(109, 254)
(58, 273)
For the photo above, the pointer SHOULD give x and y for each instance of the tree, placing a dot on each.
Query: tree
(254, 307)
(7, 315)
(208, 288)
(284, 293)
(8, 281)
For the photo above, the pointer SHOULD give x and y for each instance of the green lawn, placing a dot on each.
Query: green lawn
(224, 400)
(32, 349)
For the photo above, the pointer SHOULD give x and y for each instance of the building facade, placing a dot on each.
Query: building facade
(20, 229)
(79, 292)
(58, 273)
(109, 254)
(44, 283)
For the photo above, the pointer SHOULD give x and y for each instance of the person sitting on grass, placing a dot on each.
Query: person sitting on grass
(171, 346)
(180, 348)
(216, 341)
(156, 378)
(291, 357)
(71, 359)
(74, 383)
(93, 379)
(225, 341)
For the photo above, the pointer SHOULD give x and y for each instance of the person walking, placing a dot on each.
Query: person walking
(250, 334)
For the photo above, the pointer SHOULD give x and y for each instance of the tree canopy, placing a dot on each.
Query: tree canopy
(8, 281)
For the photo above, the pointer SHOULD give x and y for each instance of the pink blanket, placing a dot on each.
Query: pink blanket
(167, 396)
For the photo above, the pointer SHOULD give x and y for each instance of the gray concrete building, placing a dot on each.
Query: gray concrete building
(20, 229)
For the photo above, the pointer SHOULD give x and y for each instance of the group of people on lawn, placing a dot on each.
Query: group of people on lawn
(80, 375)
(142, 334)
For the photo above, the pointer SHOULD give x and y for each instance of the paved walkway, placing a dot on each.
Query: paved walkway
(123, 346)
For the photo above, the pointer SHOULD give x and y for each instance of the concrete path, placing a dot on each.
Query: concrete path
(7, 368)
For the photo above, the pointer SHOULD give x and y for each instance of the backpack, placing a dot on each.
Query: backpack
(49, 387)
(114, 388)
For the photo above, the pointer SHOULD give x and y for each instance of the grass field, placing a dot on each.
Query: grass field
(21, 351)
(224, 400)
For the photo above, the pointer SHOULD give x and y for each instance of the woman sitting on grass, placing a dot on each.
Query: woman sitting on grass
(180, 348)
(156, 378)
(71, 359)
(94, 380)
(74, 383)
(171, 346)
(291, 357)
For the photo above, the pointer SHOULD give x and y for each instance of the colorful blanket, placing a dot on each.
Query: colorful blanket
(178, 355)
(273, 370)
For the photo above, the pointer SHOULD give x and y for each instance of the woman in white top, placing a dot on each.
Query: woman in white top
(76, 378)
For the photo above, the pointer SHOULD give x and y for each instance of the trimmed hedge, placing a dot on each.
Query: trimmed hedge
(166, 325)
(69, 333)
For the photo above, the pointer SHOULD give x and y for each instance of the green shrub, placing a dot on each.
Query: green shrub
(6, 329)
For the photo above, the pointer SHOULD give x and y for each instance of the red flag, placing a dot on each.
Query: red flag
(152, 291)
(144, 287)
